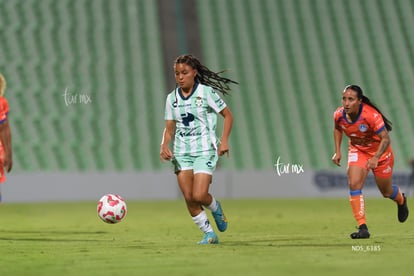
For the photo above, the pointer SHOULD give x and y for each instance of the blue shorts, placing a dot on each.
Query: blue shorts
(199, 164)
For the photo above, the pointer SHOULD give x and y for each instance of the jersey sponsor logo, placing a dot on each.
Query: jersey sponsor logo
(187, 118)
(189, 133)
(388, 155)
(387, 170)
(184, 105)
(362, 127)
(219, 102)
(353, 157)
(362, 141)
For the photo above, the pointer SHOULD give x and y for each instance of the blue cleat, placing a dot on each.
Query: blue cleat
(209, 238)
(220, 218)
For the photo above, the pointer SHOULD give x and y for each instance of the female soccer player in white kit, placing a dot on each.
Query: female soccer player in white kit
(191, 116)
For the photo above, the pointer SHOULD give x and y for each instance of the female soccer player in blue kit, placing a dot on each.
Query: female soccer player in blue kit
(191, 115)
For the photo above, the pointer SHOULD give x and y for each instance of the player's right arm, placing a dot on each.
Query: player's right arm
(337, 134)
(336, 158)
(165, 152)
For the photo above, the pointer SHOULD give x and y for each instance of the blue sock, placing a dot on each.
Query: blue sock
(395, 191)
(355, 192)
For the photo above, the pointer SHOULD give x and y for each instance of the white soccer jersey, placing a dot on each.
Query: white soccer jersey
(196, 119)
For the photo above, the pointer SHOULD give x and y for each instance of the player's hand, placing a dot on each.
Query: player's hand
(372, 163)
(8, 164)
(165, 153)
(224, 149)
(336, 159)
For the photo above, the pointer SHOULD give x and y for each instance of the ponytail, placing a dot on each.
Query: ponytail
(2, 85)
(366, 100)
(388, 124)
(206, 76)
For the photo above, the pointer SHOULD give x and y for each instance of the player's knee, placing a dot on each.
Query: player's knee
(387, 193)
(199, 197)
(353, 186)
(188, 197)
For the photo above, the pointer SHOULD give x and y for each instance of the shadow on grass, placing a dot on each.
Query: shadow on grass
(55, 232)
(285, 242)
(18, 235)
(47, 239)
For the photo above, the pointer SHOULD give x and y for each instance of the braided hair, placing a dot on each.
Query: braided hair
(366, 100)
(206, 76)
(2, 84)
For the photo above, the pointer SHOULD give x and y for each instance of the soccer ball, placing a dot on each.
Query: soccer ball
(112, 208)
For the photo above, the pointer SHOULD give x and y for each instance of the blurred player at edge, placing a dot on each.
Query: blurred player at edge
(5, 134)
(191, 115)
(369, 149)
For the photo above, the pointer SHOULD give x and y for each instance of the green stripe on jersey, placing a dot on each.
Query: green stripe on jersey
(196, 120)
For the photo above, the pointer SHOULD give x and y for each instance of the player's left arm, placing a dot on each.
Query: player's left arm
(385, 142)
(227, 125)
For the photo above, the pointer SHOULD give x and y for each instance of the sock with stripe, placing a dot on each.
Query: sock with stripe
(356, 198)
(397, 195)
(201, 220)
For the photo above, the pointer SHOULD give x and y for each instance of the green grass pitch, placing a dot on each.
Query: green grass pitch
(265, 237)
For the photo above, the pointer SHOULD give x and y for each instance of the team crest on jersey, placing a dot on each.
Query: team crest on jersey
(199, 101)
(362, 128)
